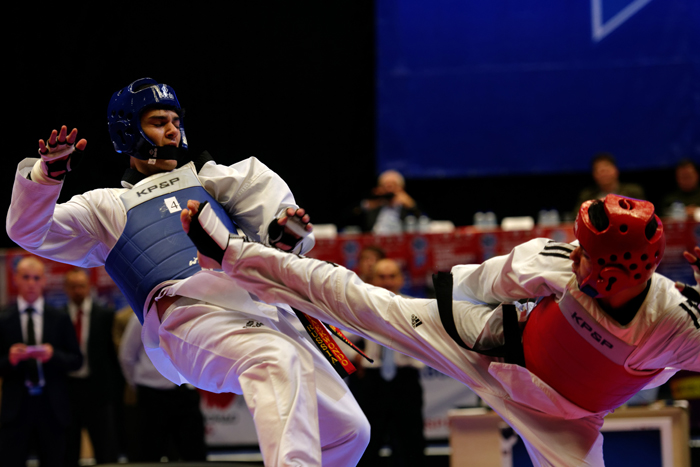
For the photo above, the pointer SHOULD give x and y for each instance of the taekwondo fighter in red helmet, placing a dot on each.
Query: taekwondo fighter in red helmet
(593, 323)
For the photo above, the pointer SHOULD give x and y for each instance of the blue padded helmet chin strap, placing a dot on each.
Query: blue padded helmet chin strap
(124, 119)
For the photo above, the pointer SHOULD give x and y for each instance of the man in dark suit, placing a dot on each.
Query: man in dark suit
(37, 349)
(96, 386)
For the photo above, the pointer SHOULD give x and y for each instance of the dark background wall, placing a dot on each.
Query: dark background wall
(291, 83)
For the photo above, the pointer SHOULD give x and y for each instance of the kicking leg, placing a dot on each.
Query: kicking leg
(336, 295)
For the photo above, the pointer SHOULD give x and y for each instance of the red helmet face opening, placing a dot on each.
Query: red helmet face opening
(624, 240)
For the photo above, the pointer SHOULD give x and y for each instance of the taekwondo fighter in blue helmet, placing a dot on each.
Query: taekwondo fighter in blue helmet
(198, 328)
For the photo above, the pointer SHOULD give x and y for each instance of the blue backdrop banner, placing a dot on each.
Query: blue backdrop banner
(469, 88)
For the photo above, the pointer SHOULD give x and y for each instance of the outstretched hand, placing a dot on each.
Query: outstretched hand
(694, 261)
(60, 139)
(56, 152)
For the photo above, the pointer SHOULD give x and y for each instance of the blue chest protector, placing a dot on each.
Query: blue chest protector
(153, 248)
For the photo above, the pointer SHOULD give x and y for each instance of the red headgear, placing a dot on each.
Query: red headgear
(627, 251)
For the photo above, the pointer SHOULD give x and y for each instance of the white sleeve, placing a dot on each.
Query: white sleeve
(685, 347)
(81, 231)
(671, 341)
(675, 343)
(253, 194)
(537, 268)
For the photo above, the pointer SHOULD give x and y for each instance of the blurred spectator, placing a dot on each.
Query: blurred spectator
(606, 176)
(171, 420)
(368, 257)
(121, 321)
(688, 188)
(127, 415)
(389, 391)
(385, 210)
(37, 349)
(98, 384)
(685, 385)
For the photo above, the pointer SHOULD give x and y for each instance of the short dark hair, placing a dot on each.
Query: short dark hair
(374, 249)
(76, 270)
(603, 157)
(687, 162)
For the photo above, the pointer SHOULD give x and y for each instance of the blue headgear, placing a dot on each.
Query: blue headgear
(124, 119)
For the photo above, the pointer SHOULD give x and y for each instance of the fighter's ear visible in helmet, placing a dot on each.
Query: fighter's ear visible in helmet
(652, 227)
(598, 216)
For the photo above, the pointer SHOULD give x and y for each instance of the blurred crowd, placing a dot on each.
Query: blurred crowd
(389, 208)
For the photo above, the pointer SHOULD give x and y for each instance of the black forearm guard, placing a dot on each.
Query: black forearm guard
(277, 235)
(201, 239)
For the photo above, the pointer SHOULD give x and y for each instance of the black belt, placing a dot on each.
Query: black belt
(512, 351)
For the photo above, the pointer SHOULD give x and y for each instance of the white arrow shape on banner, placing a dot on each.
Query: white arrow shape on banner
(600, 28)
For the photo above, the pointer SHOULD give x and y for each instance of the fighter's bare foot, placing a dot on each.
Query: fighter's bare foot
(187, 214)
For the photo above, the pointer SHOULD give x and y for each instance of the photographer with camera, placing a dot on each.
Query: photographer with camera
(385, 210)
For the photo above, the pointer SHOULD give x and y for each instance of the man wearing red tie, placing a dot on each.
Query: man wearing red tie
(37, 349)
(98, 383)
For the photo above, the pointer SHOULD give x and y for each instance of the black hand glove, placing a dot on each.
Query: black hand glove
(278, 235)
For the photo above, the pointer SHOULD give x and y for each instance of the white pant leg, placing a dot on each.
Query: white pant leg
(553, 441)
(412, 326)
(226, 351)
(344, 429)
